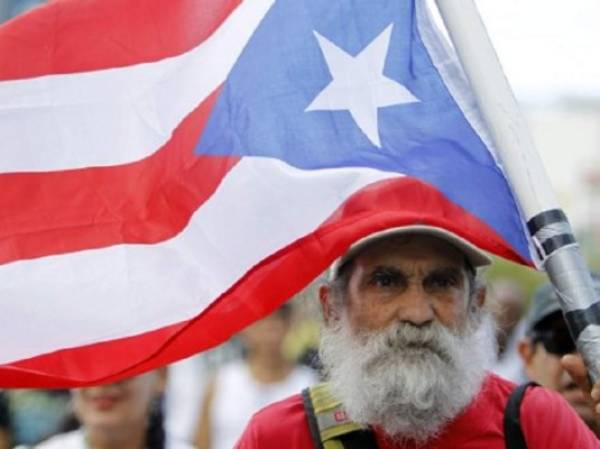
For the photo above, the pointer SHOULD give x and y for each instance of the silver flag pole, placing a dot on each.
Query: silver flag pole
(559, 254)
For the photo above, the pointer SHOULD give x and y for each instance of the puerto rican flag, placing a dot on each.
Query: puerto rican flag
(171, 171)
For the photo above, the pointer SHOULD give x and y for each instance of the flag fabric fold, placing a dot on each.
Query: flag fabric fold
(172, 172)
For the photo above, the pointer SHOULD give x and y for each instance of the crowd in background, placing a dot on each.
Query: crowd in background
(203, 401)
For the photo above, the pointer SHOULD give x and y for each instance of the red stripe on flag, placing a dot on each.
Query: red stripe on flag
(263, 288)
(143, 202)
(82, 35)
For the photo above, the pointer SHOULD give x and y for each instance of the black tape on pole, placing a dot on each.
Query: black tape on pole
(550, 231)
(553, 243)
(578, 320)
(544, 219)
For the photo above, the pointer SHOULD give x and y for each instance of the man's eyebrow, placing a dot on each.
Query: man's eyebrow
(388, 268)
(397, 270)
(446, 271)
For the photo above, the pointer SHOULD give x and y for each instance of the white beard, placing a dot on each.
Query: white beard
(407, 380)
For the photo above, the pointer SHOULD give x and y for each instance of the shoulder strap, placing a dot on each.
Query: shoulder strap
(329, 425)
(359, 439)
(513, 434)
(313, 426)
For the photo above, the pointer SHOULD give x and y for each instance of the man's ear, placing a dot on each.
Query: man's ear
(480, 296)
(527, 352)
(525, 349)
(328, 308)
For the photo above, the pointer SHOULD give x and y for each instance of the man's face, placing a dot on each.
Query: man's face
(541, 353)
(401, 348)
(266, 336)
(415, 279)
(545, 368)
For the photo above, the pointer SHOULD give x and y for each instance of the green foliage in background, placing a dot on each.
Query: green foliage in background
(528, 278)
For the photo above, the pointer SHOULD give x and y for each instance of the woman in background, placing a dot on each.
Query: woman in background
(242, 387)
(121, 415)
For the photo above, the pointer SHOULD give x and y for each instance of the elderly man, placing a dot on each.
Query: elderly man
(406, 345)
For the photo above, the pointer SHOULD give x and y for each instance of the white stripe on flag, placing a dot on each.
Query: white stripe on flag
(448, 66)
(91, 296)
(115, 116)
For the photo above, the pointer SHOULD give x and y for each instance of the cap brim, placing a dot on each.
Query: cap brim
(476, 257)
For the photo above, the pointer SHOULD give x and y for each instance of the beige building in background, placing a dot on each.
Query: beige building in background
(567, 136)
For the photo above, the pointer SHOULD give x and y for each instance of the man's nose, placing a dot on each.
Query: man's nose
(415, 306)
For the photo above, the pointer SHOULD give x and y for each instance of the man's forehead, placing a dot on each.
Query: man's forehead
(412, 248)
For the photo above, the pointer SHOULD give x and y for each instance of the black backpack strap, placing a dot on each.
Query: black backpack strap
(313, 425)
(513, 434)
(359, 439)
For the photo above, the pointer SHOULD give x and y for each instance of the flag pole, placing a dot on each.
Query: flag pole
(559, 253)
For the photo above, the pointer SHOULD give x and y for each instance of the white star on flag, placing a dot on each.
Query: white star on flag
(359, 85)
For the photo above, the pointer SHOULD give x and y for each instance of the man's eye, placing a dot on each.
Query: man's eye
(441, 281)
(385, 279)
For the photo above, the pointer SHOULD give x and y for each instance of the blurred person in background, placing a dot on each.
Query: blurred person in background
(36, 414)
(546, 341)
(12, 8)
(186, 387)
(5, 437)
(121, 415)
(302, 341)
(507, 305)
(242, 387)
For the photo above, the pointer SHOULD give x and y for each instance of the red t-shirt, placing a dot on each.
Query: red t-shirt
(547, 422)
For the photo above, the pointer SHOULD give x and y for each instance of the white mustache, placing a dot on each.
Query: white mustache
(406, 338)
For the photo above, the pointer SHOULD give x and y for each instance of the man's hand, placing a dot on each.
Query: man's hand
(574, 365)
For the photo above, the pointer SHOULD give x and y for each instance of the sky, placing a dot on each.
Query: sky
(547, 47)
